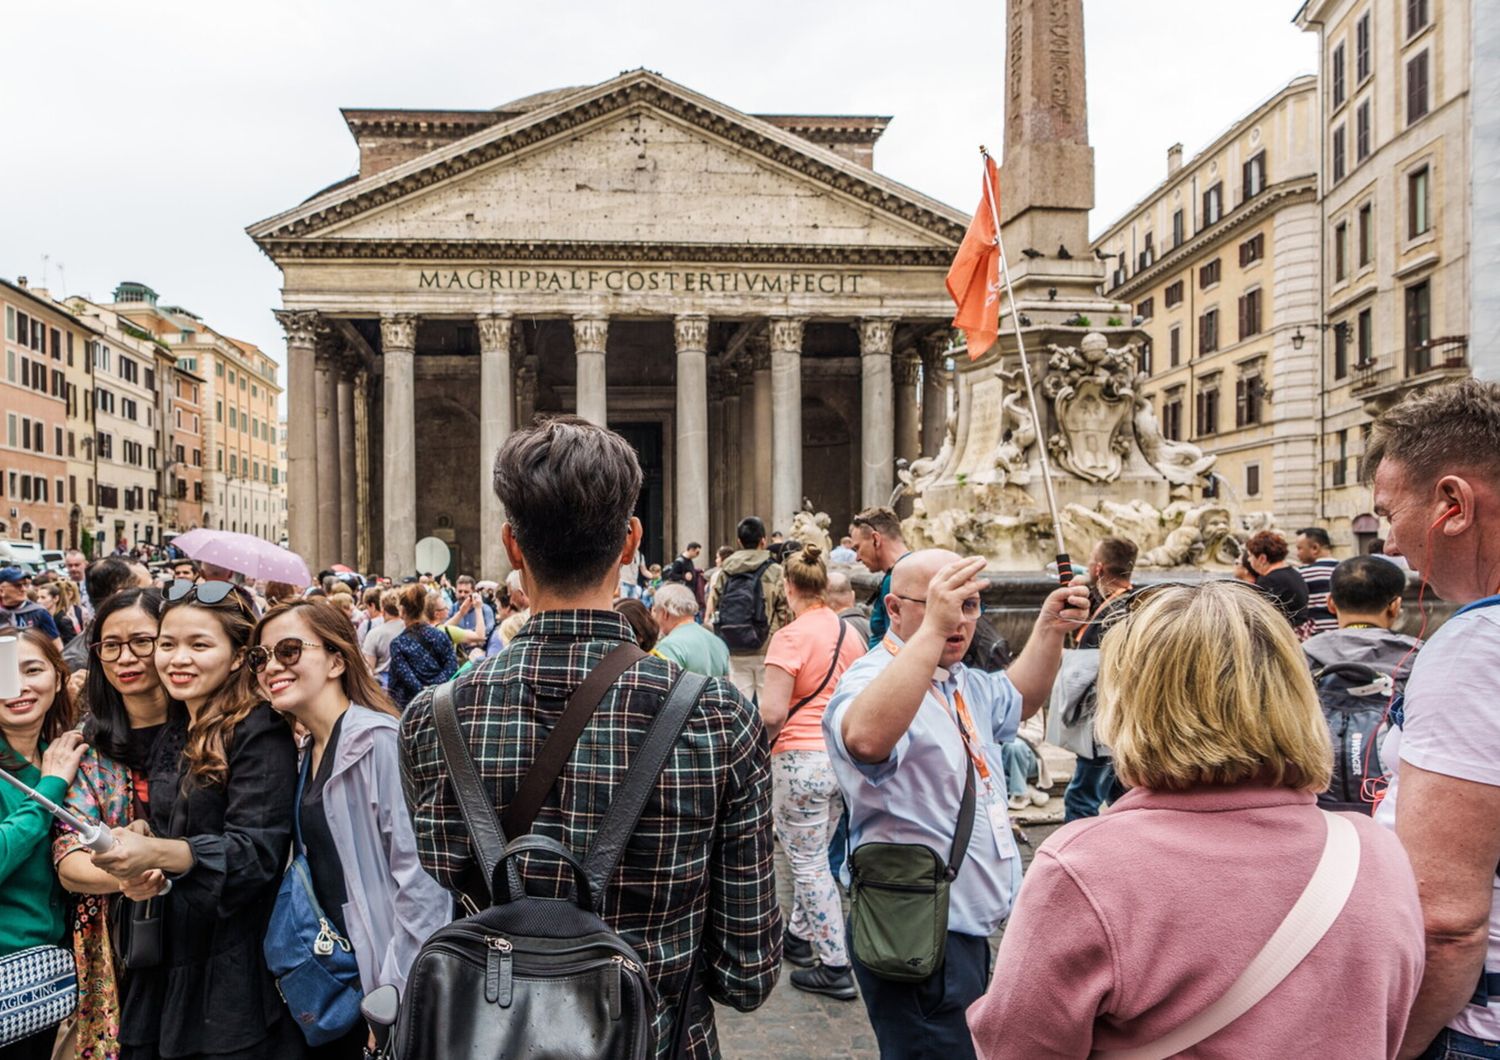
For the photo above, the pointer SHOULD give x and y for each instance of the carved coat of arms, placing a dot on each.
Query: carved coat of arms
(1092, 392)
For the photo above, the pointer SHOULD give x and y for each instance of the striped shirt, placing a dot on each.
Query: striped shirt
(1318, 574)
(696, 884)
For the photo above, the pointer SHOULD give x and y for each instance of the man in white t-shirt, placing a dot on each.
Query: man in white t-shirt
(1435, 461)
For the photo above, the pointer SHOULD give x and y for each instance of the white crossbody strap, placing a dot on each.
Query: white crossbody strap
(1304, 927)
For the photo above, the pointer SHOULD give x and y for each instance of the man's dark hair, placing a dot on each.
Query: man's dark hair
(1375, 546)
(751, 531)
(569, 488)
(465, 579)
(879, 520)
(1316, 533)
(1365, 585)
(1439, 430)
(692, 545)
(107, 576)
(1117, 556)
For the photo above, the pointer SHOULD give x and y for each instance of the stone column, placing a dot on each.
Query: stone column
(877, 430)
(495, 425)
(934, 390)
(301, 438)
(757, 450)
(718, 474)
(589, 335)
(786, 412)
(348, 474)
(326, 382)
(734, 442)
(906, 375)
(363, 505)
(691, 459)
(526, 386)
(398, 341)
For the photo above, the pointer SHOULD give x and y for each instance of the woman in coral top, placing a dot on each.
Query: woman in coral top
(804, 661)
(1133, 923)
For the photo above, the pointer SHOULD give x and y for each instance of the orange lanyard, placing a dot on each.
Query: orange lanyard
(1111, 598)
(967, 731)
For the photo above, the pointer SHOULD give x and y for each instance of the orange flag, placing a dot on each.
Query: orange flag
(973, 278)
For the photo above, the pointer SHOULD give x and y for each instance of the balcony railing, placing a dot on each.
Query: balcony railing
(1448, 353)
(1368, 374)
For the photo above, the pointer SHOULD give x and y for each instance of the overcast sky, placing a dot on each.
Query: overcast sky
(142, 138)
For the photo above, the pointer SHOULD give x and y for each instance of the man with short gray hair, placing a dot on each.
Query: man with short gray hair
(1435, 464)
(683, 640)
(841, 599)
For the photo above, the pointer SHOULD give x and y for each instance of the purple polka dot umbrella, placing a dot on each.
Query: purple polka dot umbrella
(245, 554)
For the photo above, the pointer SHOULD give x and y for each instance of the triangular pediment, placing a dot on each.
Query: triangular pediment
(635, 160)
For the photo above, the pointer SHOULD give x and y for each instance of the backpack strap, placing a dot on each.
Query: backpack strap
(965, 826)
(521, 813)
(474, 802)
(834, 665)
(646, 765)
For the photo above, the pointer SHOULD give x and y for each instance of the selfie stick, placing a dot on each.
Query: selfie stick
(96, 837)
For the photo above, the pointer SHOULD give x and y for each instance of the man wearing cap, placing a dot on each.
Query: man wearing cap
(21, 612)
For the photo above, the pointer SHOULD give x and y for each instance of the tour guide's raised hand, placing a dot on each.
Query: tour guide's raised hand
(951, 590)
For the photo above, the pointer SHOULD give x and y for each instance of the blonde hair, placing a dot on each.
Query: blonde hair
(1207, 684)
(807, 571)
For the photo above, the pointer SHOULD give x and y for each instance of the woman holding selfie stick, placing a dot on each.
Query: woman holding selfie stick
(128, 712)
(220, 825)
(37, 748)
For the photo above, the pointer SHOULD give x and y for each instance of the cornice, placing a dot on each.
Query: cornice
(310, 249)
(635, 90)
(1287, 193)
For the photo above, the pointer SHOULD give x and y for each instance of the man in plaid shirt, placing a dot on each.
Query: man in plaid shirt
(695, 892)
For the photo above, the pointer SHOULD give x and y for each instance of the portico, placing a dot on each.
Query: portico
(744, 303)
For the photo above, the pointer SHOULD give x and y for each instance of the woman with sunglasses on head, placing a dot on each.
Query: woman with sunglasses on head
(37, 748)
(128, 711)
(1144, 931)
(422, 655)
(355, 830)
(219, 816)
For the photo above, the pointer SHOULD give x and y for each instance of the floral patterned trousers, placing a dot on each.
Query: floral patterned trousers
(805, 806)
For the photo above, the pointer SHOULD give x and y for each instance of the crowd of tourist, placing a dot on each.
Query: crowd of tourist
(292, 830)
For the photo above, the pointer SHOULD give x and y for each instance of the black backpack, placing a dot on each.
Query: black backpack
(1354, 697)
(540, 976)
(742, 622)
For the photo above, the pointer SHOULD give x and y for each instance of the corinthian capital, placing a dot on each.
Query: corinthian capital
(935, 346)
(875, 336)
(904, 367)
(786, 334)
(590, 334)
(398, 331)
(692, 331)
(758, 352)
(301, 325)
(494, 331)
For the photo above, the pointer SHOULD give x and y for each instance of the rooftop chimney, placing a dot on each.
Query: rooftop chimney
(1174, 159)
(20, 281)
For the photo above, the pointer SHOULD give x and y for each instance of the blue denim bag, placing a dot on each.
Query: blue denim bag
(314, 965)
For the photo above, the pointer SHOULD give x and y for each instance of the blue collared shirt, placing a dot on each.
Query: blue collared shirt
(467, 621)
(914, 795)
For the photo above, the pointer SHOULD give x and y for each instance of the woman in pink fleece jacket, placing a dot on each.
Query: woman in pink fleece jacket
(1131, 923)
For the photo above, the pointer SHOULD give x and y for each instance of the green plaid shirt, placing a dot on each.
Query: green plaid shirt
(697, 878)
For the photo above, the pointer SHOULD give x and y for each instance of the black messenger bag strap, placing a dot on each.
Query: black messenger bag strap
(646, 765)
(965, 821)
(550, 761)
(832, 666)
(485, 832)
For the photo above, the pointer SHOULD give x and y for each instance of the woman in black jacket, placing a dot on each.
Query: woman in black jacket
(422, 655)
(220, 826)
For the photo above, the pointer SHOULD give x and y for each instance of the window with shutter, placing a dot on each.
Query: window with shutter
(1416, 17)
(1416, 87)
(1179, 229)
(1417, 220)
(1175, 346)
(1336, 65)
(1341, 349)
(1173, 294)
(1337, 150)
(1362, 132)
(1362, 48)
(1340, 250)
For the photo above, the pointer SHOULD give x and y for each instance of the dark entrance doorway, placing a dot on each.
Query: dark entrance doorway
(651, 507)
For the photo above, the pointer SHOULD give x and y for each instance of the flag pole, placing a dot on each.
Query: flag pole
(1064, 563)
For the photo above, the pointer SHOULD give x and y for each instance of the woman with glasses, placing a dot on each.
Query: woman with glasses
(421, 655)
(804, 661)
(128, 711)
(35, 746)
(218, 829)
(1135, 929)
(355, 830)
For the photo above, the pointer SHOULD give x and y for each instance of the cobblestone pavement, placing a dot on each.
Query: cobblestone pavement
(793, 1025)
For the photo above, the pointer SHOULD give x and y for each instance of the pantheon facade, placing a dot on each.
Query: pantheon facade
(741, 296)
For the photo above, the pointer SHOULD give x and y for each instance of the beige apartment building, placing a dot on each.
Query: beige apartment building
(1395, 215)
(182, 409)
(1220, 261)
(243, 476)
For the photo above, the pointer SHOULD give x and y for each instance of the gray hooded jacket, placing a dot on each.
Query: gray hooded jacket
(1381, 649)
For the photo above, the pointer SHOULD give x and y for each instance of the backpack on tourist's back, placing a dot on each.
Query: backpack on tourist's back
(742, 621)
(1354, 698)
(540, 976)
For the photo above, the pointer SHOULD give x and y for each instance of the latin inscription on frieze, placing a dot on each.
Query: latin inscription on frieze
(669, 281)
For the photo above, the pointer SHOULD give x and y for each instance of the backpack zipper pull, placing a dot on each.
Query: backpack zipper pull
(497, 972)
(612, 987)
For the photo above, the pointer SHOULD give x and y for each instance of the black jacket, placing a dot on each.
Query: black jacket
(212, 993)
